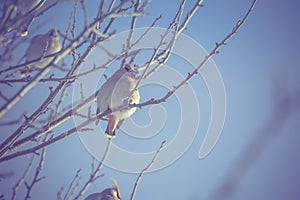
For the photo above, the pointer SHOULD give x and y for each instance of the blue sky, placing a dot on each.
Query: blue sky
(267, 45)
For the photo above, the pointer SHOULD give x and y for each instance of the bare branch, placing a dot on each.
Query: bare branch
(3, 96)
(12, 143)
(94, 174)
(133, 22)
(163, 57)
(4, 147)
(12, 101)
(271, 129)
(190, 75)
(206, 59)
(22, 179)
(146, 169)
(85, 13)
(65, 116)
(36, 177)
(52, 79)
(72, 187)
(59, 193)
(12, 122)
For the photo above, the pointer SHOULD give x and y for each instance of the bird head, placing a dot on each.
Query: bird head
(54, 33)
(115, 190)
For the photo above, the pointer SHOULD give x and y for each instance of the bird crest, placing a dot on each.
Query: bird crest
(116, 187)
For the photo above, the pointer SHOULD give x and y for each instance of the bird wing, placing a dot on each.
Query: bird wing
(122, 90)
(103, 97)
(36, 47)
(115, 92)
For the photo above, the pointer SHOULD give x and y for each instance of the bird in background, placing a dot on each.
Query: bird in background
(19, 14)
(112, 193)
(41, 46)
(118, 91)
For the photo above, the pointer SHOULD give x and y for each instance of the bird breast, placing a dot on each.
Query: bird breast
(115, 92)
(42, 45)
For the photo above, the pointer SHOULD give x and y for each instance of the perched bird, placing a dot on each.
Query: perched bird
(107, 194)
(118, 91)
(41, 46)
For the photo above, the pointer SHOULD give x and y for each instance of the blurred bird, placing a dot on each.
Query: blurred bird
(41, 46)
(18, 15)
(115, 93)
(107, 194)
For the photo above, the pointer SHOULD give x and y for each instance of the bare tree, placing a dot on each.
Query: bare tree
(44, 126)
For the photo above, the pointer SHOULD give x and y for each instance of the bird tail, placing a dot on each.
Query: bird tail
(116, 188)
(111, 127)
(110, 135)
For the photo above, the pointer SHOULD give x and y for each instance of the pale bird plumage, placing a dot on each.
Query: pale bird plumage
(41, 46)
(113, 94)
(112, 193)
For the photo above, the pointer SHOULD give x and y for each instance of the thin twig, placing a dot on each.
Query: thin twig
(90, 99)
(146, 169)
(68, 114)
(85, 13)
(94, 174)
(206, 59)
(15, 135)
(36, 177)
(12, 122)
(163, 57)
(12, 101)
(48, 142)
(3, 97)
(282, 110)
(21, 180)
(250, 154)
(71, 187)
(52, 79)
(132, 26)
(155, 56)
(59, 193)
(4, 147)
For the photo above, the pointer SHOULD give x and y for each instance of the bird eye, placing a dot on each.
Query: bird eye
(127, 68)
(54, 32)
